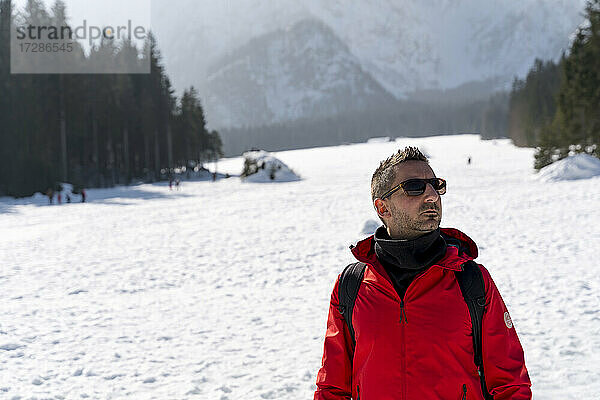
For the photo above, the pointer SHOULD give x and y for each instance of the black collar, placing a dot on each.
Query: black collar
(417, 253)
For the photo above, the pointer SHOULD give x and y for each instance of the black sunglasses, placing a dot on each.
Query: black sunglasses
(416, 187)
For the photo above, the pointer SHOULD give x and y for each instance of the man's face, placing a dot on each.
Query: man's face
(409, 217)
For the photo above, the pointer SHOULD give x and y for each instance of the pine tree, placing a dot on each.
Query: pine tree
(494, 123)
(533, 102)
(576, 124)
(98, 129)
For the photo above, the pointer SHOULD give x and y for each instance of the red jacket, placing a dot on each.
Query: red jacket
(428, 354)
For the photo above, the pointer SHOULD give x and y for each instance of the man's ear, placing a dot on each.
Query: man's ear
(381, 208)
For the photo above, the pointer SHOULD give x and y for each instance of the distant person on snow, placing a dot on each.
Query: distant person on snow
(399, 325)
(177, 183)
(50, 194)
(83, 195)
(469, 160)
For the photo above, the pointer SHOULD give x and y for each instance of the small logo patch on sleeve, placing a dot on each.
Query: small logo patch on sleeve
(507, 320)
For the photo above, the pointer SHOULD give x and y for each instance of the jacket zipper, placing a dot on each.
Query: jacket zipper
(402, 326)
(402, 312)
(403, 347)
(357, 392)
(464, 392)
(402, 304)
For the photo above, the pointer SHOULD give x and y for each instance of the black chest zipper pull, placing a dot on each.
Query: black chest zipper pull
(402, 312)
(357, 392)
(464, 392)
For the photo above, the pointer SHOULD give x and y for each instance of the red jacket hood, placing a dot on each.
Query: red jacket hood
(364, 250)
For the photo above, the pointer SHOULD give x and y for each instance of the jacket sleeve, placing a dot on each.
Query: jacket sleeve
(334, 380)
(503, 360)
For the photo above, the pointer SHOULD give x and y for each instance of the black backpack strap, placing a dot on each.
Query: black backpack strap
(348, 286)
(472, 286)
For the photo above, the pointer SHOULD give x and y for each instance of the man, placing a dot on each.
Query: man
(411, 325)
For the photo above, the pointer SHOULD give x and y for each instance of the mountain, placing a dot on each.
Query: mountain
(410, 46)
(405, 46)
(304, 71)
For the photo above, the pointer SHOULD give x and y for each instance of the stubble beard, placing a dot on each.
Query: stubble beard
(407, 227)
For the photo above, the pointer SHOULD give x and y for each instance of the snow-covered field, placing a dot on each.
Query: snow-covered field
(220, 290)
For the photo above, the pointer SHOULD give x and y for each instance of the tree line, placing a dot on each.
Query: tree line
(407, 118)
(556, 107)
(94, 130)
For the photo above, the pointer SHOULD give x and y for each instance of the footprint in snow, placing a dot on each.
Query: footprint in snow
(10, 346)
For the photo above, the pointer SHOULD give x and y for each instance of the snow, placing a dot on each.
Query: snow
(369, 227)
(578, 166)
(220, 290)
(379, 139)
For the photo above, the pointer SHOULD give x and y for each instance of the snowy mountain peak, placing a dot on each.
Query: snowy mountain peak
(301, 71)
(402, 44)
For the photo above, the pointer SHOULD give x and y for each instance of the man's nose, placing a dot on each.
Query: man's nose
(431, 195)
